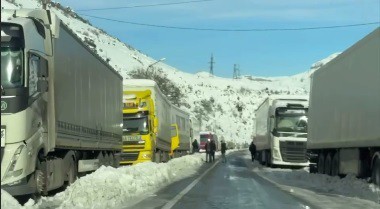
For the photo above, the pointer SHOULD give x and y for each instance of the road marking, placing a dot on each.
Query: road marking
(172, 202)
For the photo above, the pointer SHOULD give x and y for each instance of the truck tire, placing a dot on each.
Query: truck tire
(157, 157)
(268, 159)
(72, 175)
(321, 163)
(101, 159)
(335, 164)
(328, 163)
(261, 155)
(376, 172)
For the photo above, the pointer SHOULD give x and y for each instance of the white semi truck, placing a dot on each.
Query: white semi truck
(281, 131)
(61, 104)
(344, 115)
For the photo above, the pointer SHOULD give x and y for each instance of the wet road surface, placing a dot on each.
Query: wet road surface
(222, 186)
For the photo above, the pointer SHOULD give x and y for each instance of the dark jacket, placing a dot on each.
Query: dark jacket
(195, 145)
(223, 147)
(213, 146)
(208, 147)
(252, 148)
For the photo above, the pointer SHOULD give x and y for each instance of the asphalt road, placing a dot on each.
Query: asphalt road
(223, 186)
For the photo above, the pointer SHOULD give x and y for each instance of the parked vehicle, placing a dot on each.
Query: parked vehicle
(60, 104)
(206, 135)
(281, 131)
(195, 130)
(344, 116)
(148, 129)
(181, 132)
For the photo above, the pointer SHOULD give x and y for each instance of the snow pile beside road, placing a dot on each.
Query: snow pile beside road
(7, 201)
(349, 186)
(111, 187)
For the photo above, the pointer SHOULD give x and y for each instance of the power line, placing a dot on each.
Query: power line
(145, 5)
(236, 30)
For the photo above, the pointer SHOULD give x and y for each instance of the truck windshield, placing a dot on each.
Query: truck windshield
(135, 125)
(12, 75)
(291, 123)
(203, 138)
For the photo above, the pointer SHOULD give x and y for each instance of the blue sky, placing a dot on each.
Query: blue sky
(271, 53)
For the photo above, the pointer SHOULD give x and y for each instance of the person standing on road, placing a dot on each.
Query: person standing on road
(223, 150)
(208, 148)
(252, 149)
(212, 151)
(195, 146)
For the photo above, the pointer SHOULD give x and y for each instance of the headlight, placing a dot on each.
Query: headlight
(146, 156)
(12, 165)
(276, 154)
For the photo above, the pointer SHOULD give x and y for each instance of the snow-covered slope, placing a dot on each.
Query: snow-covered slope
(224, 105)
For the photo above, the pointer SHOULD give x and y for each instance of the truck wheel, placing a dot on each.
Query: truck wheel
(157, 157)
(328, 163)
(376, 172)
(267, 159)
(335, 165)
(321, 163)
(114, 163)
(101, 159)
(72, 175)
(108, 159)
(40, 179)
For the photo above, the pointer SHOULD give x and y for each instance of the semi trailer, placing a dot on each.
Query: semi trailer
(61, 104)
(344, 114)
(181, 132)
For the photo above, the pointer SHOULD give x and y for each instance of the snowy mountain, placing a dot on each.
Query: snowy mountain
(223, 105)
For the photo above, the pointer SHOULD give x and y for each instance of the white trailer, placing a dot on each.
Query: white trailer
(182, 119)
(344, 116)
(195, 129)
(281, 131)
(61, 104)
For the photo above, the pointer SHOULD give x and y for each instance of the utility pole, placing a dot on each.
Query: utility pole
(236, 74)
(212, 65)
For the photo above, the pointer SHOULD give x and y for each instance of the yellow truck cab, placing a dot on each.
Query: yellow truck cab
(138, 127)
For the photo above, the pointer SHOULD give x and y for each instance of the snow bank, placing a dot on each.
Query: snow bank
(349, 186)
(110, 187)
(7, 201)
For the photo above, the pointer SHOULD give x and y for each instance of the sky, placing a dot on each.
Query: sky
(257, 53)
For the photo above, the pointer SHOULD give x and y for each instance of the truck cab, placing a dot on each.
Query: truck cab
(138, 127)
(281, 131)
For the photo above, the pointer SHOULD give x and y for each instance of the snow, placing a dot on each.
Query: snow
(110, 187)
(301, 181)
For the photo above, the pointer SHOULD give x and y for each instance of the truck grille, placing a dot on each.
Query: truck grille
(129, 156)
(133, 143)
(293, 151)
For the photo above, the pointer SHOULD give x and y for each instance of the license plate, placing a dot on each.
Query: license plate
(3, 137)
